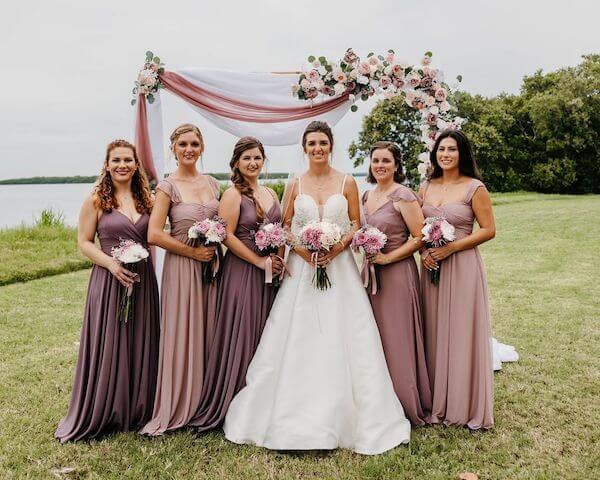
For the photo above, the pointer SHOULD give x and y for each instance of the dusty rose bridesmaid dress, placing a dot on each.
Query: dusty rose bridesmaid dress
(188, 313)
(243, 305)
(115, 377)
(397, 310)
(457, 327)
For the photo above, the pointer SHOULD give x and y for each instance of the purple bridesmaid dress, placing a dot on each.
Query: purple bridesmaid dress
(397, 310)
(457, 327)
(115, 377)
(243, 305)
(188, 314)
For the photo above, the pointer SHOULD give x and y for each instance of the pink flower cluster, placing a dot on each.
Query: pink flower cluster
(128, 252)
(148, 82)
(270, 236)
(437, 231)
(371, 239)
(319, 236)
(422, 86)
(211, 230)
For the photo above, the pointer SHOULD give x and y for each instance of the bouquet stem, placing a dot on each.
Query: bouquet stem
(321, 279)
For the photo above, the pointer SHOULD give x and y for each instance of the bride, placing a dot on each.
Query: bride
(319, 379)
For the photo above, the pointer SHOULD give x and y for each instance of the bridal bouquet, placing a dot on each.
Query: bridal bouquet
(372, 240)
(210, 231)
(436, 233)
(148, 81)
(317, 237)
(129, 254)
(269, 238)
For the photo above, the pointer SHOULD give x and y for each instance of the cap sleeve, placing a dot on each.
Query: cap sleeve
(403, 193)
(475, 184)
(167, 187)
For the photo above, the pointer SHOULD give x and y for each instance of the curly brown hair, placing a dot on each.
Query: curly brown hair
(238, 180)
(104, 191)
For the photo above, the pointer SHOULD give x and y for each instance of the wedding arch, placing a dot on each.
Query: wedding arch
(276, 106)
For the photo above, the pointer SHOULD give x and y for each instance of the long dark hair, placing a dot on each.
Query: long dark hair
(104, 191)
(394, 149)
(466, 161)
(317, 126)
(238, 180)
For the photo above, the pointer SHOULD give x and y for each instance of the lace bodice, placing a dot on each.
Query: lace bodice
(335, 210)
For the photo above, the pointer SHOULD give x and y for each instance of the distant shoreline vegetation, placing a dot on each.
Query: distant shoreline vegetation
(92, 179)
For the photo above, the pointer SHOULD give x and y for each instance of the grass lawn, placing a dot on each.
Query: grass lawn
(545, 296)
(30, 252)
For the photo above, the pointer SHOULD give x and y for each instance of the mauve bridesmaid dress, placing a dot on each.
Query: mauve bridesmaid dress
(188, 314)
(457, 327)
(243, 305)
(397, 310)
(115, 377)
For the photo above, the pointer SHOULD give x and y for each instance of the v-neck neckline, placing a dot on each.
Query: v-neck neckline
(133, 222)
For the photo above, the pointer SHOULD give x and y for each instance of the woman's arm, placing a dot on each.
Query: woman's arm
(86, 232)
(413, 216)
(157, 235)
(484, 214)
(229, 210)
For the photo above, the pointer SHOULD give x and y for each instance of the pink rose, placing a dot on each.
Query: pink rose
(414, 79)
(397, 70)
(441, 94)
(313, 75)
(385, 81)
(398, 83)
(350, 57)
(389, 57)
(432, 119)
(373, 61)
(364, 68)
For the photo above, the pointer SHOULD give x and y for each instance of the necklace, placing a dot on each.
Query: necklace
(378, 194)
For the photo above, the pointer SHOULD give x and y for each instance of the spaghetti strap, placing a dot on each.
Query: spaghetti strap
(299, 185)
(343, 183)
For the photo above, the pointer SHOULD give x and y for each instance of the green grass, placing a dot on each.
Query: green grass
(545, 291)
(29, 252)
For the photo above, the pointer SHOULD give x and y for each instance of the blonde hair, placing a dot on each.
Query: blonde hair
(186, 128)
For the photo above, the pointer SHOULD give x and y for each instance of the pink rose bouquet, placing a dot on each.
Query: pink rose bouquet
(318, 237)
(210, 231)
(269, 238)
(437, 231)
(371, 240)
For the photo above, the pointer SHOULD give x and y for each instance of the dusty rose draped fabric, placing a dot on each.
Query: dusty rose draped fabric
(142, 140)
(221, 106)
(239, 110)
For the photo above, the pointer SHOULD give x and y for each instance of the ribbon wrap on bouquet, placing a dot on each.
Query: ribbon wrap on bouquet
(368, 274)
(269, 270)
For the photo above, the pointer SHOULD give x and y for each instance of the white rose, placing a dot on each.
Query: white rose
(362, 80)
(339, 88)
(322, 70)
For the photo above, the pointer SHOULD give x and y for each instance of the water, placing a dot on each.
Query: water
(23, 203)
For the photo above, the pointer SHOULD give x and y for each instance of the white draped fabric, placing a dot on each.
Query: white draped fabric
(259, 88)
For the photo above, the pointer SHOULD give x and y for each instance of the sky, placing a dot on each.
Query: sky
(69, 66)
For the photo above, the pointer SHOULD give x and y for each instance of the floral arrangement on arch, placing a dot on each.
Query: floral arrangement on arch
(148, 80)
(422, 86)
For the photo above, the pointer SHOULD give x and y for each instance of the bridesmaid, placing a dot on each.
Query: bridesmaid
(244, 300)
(116, 369)
(394, 209)
(456, 313)
(187, 306)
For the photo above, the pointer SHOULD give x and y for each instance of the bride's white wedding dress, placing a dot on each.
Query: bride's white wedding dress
(319, 378)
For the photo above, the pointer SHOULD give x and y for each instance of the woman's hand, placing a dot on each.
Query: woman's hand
(276, 263)
(125, 277)
(326, 257)
(440, 253)
(428, 261)
(204, 253)
(379, 258)
(305, 254)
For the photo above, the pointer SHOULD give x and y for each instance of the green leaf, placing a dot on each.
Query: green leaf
(133, 100)
(354, 108)
(149, 54)
(428, 54)
(150, 98)
(156, 60)
(161, 70)
(364, 97)
(323, 60)
(459, 78)
(311, 59)
(329, 68)
(380, 57)
(391, 51)
(370, 54)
